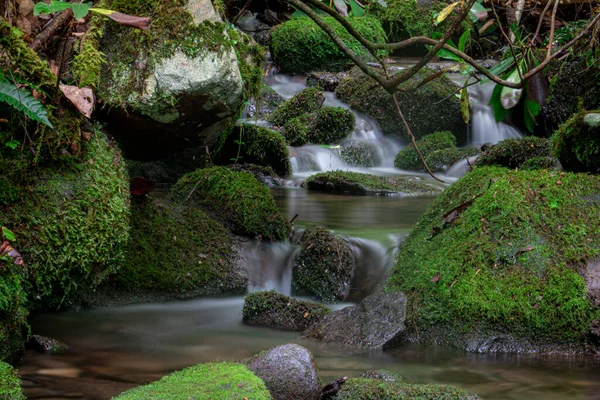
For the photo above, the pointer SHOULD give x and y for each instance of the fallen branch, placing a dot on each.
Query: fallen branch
(61, 19)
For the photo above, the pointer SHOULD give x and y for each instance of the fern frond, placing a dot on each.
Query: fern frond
(23, 101)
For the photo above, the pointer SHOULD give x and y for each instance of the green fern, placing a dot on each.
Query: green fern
(23, 101)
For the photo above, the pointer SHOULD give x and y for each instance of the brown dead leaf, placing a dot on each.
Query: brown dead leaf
(436, 278)
(142, 23)
(306, 314)
(526, 249)
(558, 182)
(3, 120)
(82, 98)
(451, 217)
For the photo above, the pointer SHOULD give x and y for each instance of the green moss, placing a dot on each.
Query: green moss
(409, 159)
(360, 153)
(276, 310)
(326, 125)
(404, 18)
(88, 60)
(10, 384)
(512, 153)
(577, 145)
(538, 163)
(306, 101)
(299, 46)
(187, 250)
(359, 183)
(363, 388)
(210, 381)
(324, 266)
(441, 160)
(237, 197)
(509, 262)
(251, 57)
(13, 314)
(257, 145)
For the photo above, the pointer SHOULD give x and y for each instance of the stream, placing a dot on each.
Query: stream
(114, 349)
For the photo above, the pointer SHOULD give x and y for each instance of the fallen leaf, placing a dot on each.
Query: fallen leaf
(306, 314)
(139, 186)
(82, 98)
(436, 278)
(526, 249)
(558, 182)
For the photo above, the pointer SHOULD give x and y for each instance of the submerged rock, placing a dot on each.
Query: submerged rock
(327, 81)
(45, 344)
(288, 371)
(515, 153)
(375, 323)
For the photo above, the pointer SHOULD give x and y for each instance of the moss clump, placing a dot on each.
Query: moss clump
(251, 57)
(441, 160)
(10, 384)
(360, 154)
(358, 183)
(538, 163)
(88, 61)
(409, 159)
(326, 125)
(383, 375)
(577, 145)
(237, 197)
(324, 266)
(512, 153)
(279, 311)
(214, 381)
(299, 46)
(430, 108)
(509, 262)
(186, 251)
(364, 388)
(306, 101)
(405, 18)
(257, 145)
(13, 314)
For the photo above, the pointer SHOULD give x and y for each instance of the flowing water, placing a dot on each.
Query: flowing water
(113, 349)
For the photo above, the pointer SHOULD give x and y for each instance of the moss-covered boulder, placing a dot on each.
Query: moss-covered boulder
(265, 175)
(324, 126)
(237, 198)
(255, 144)
(383, 375)
(276, 310)
(365, 388)
(408, 158)
(403, 19)
(10, 384)
(499, 254)
(512, 153)
(576, 143)
(347, 182)
(179, 249)
(324, 267)
(299, 46)
(433, 107)
(304, 102)
(441, 160)
(210, 381)
(357, 153)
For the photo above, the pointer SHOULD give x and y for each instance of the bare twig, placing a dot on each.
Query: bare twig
(539, 25)
(63, 18)
(552, 27)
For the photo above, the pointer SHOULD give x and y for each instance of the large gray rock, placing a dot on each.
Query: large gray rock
(288, 371)
(376, 322)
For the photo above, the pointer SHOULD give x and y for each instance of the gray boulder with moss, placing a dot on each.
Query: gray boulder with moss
(408, 158)
(356, 183)
(358, 153)
(324, 266)
(288, 371)
(430, 108)
(441, 160)
(276, 310)
(305, 101)
(513, 153)
(324, 126)
(576, 143)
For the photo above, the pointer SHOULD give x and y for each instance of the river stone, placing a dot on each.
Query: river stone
(376, 322)
(288, 371)
(592, 120)
(328, 81)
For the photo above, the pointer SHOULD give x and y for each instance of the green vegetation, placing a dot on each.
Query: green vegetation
(441, 160)
(13, 314)
(306, 101)
(237, 197)
(299, 46)
(10, 384)
(409, 159)
(577, 145)
(324, 126)
(210, 381)
(176, 248)
(251, 57)
(275, 310)
(364, 388)
(360, 154)
(324, 266)
(512, 153)
(404, 18)
(509, 261)
(359, 183)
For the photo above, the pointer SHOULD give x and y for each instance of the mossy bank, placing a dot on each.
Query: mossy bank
(10, 384)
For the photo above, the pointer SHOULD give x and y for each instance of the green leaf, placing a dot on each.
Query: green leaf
(532, 109)
(499, 111)
(462, 42)
(54, 6)
(443, 53)
(500, 68)
(23, 101)
(514, 28)
(357, 9)
(510, 97)
(13, 144)
(80, 10)
(478, 13)
(8, 235)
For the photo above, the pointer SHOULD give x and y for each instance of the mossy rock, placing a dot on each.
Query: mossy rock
(179, 249)
(512, 153)
(255, 144)
(210, 381)
(324, 126)
(276, 310)
(430, 108)
(441, 160)
(403, 19)
(238, 198)
(383, 375)
(364, 388)
(327, 81)
(539, 163)
(299, 46)
(13, 314)
(72, 222)
(304, 102)
(347, 182)
(577, 143)
(264, 175)
(357, 153)
(264, 104)
(508, 262)
(10, 384)
(324, 267)
(409, 159)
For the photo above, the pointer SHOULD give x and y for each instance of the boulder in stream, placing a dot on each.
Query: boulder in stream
(360, 153)
(304, 102)
(324, 126)
(327, 81)
(441, 160)
(408, 158)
